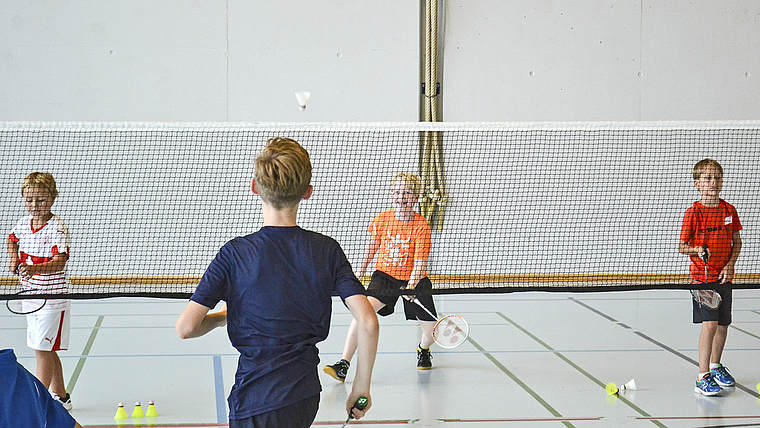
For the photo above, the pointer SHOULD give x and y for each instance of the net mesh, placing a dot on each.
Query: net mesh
(513, 206)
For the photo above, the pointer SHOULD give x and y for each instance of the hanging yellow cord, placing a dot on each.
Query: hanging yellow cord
(434, 195)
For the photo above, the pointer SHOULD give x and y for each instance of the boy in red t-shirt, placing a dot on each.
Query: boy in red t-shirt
(400, 237)
(710, 236)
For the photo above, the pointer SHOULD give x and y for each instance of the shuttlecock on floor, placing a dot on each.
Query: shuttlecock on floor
(138, 412)
(303, 98)
(120, 412)
(151, 413)
(629, 386)
(611, 388)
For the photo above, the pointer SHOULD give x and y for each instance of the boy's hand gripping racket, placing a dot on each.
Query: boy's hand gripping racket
(24, 306)
(708, 298)
(360, 404)
(449, 331)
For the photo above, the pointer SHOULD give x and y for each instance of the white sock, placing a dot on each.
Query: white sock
(700, 376)
(714, 365)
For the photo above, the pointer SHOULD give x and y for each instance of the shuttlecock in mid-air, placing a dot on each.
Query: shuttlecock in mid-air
(303, 98)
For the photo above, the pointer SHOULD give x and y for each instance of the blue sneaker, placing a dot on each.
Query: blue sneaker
(707, 385)
(722, 376)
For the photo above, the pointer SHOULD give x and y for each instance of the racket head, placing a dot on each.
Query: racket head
(708, 298)
(24, 306)
(451, 331)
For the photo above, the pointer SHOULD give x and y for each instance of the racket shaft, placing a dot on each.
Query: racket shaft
(424, 308)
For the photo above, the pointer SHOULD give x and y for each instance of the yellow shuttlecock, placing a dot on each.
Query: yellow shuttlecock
(120, 412)
(138, 412)
(611, 388)
(151, 413)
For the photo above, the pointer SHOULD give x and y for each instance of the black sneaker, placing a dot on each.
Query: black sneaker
(338, 370)
(424, 359)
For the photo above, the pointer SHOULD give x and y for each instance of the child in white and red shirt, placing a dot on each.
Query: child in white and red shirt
(38, 247)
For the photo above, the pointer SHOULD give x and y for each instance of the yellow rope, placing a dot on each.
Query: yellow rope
(433, 194)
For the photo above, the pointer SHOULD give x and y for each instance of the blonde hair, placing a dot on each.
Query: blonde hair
(700, 167)
(282, 172)
(42, 180)
(411, 181)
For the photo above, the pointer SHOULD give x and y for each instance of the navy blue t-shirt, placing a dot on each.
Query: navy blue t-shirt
(278, 284)
(24, 401)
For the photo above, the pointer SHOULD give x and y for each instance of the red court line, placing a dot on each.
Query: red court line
(202, 425)
(366, 422)
(689, 418)
(523, 420)
(132, 424)
(397, 422)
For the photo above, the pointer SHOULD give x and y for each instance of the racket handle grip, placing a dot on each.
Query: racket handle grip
(705, 255)
(361, 402)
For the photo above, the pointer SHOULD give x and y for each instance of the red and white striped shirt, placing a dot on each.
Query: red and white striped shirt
(40, 246)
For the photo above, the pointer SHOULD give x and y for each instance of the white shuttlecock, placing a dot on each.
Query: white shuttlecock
(630, 385)
(303, 98)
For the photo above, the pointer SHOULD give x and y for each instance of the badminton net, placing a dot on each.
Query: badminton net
(512, 206)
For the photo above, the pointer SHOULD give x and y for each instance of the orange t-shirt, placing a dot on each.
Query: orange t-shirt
(401, 243)
(714, 226)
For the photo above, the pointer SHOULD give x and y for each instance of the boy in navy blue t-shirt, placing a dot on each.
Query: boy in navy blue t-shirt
(24, 401)
(277, 285)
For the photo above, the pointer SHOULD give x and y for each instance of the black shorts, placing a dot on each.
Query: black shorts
(387, 286)
(702, 313)
(298, 415)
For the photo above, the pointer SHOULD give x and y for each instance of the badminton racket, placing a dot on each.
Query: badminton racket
(708, 298)
(24, 306)
(449, 331)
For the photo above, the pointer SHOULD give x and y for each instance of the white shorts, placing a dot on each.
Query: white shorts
(48, 331)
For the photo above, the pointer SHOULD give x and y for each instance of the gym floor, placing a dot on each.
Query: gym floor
(533, 359)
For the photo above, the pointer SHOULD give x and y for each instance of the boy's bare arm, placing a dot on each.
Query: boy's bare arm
(418, 272)
(685, 248)
(195, 321)
(13, 253)
(368, 332)
(369, 254)
(727, 273)
(56, 264)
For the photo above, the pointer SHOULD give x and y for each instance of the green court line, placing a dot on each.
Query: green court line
(660, 344)
(579, 369)
(745, 332)
(85, 353)
(517, 380)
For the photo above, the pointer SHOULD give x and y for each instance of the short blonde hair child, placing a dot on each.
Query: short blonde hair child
(700, 167)
(282, 172)
(42, 180)
(411, 181)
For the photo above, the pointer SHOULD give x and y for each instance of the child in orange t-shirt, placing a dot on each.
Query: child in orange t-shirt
(400, 237)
